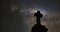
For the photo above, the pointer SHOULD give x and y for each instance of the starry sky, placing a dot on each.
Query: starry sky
(18, 15)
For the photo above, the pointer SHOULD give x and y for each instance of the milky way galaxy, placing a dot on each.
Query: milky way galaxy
(18, 15)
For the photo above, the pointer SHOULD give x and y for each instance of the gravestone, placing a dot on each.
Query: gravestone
(38, 27)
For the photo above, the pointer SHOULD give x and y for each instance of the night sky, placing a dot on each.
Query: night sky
(18, 15)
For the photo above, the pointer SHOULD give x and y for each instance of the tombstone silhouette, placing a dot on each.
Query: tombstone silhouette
(38, 27)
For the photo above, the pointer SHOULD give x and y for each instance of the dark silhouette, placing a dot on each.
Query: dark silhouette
(38, 27)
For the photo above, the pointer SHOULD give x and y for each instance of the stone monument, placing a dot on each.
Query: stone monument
(38, 27)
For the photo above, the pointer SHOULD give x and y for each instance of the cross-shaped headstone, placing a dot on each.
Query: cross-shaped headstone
(38, 27)
(38, 16)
